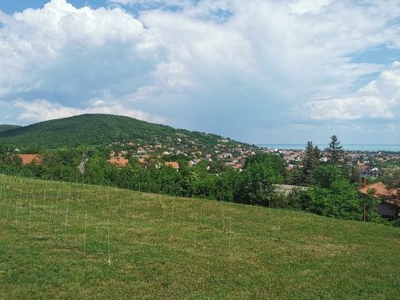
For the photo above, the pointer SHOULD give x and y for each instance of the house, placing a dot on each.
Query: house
(389, 207)
(144, 159)
(370, 172)
(172, 164)
(118, 161)
(31, 158)
(141, 151)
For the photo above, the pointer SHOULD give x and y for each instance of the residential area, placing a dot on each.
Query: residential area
(376, 173)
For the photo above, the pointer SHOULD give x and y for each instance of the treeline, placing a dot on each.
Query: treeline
(329, 188)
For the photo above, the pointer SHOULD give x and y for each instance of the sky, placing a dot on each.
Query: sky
(257, 71)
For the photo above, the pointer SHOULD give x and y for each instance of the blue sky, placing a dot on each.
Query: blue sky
(260, 71)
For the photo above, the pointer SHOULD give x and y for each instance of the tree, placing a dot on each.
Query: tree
(333, 195)
(260, 173)
(9, 157)
(391, 177)
(334, 150)
(310, 163)
(227, 184)
(326, 175)
(370, 205)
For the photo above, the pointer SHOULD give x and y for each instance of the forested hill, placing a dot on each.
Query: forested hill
(8, 127)
(101, 129)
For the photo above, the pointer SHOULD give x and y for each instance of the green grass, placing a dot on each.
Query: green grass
(73, 241)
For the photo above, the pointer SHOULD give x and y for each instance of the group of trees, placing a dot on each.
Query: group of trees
(332, 189)
(329, 189)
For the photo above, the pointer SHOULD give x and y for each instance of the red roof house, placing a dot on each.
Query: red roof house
(31, 158)
(390, 199)
(172, 164)
(118, 161)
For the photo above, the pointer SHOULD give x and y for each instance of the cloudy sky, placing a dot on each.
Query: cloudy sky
(258, 71)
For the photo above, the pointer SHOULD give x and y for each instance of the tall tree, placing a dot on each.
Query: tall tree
(310, 163)
(335, 150)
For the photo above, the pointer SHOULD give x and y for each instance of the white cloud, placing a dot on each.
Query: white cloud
(379, 99)
(41, 110)
(309, 6)
(36, 42)
(387, 84)
(351, 108)
(154, 3)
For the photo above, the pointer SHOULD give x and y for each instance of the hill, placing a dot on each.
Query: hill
(100, 129)
(8, 127)
(74, 241)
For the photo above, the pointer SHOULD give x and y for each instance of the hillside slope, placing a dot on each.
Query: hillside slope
(74, 241)
(8, 127)
(98, 129)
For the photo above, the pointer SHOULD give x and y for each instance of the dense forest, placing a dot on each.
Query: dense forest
(8, 127)
(100, 130)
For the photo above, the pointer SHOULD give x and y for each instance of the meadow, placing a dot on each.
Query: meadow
(74, 241)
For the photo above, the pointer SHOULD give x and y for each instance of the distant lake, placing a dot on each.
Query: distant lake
(349, 147)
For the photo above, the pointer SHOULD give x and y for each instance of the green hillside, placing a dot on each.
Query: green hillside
(72, 241)
(8, 127)
(98, 129)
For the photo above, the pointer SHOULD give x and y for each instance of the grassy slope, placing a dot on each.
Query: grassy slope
(61, 240)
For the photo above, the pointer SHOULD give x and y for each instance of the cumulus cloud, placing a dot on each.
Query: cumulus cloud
(154, 3)
(379, 99)
(60, 42)
(351, 108)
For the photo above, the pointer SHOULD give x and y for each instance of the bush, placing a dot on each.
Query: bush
(396, 223)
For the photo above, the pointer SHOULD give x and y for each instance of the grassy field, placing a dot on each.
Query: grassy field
(73, 241)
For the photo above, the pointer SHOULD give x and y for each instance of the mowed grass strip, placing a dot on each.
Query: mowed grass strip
(73, 241)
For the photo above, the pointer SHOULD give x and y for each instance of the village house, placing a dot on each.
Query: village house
(141, 151)
(389, 207)
(31, 158)
(118, 161)
(369, 172)
(172, 164)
